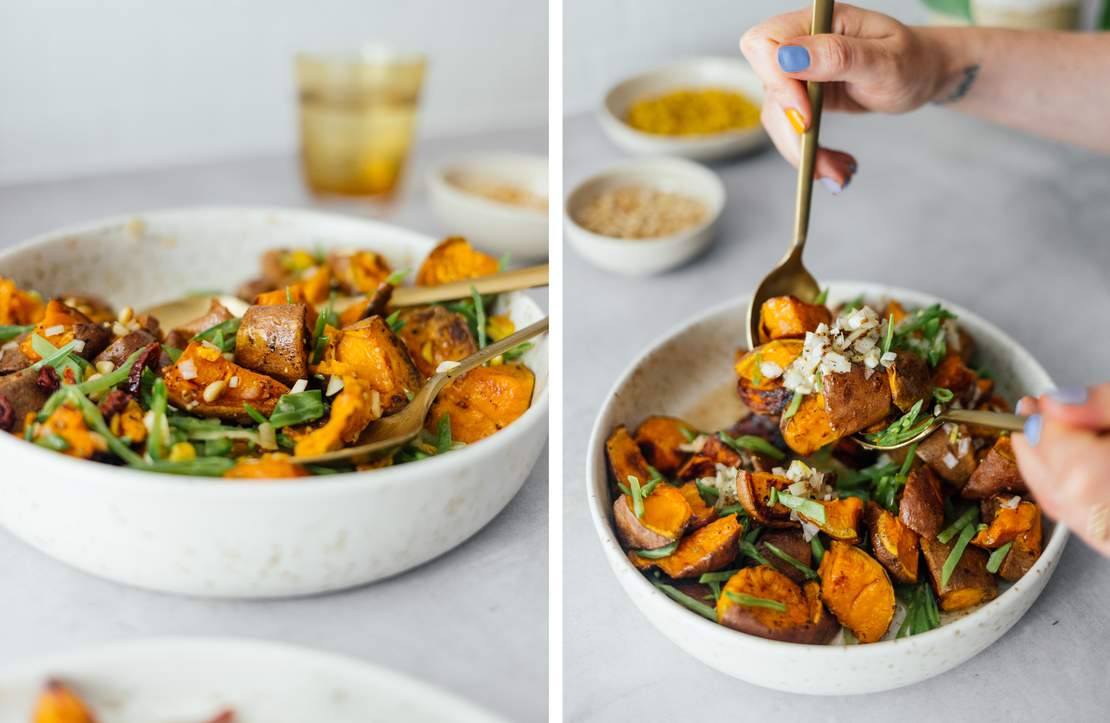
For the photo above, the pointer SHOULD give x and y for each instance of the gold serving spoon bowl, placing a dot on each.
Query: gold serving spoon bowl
(790, 277)
(995, 420)
(179, 312)
(399, 429)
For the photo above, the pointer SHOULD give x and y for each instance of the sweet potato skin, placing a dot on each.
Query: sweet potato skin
(792, 543)
(258, 390)
(970, 583)
(123, 347)
(434, 335)
(484, 401)
(359, 272)
(857, 590)
(217, 314)
(1027, 548)
(370, 351)
(910, 380)
(659, 439)
(921, 507)
(855, 401)
(625, 457)
(934, 450)
(24, 396)
(703, 513)
(763, 395)
(804, 621)
(711, 548)
(273, 340)
(75, 326)
(754, 490)
(954, 375)
(703, 463)
(894, 544)
(788, 317)
(666, 514)
(454, 259)
(998, 472)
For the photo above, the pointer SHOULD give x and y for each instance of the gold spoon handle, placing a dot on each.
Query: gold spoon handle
(821, 23)
(997, 420)
(515, 280)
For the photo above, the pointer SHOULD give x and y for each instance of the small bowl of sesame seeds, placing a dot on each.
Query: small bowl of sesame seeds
(645, 216)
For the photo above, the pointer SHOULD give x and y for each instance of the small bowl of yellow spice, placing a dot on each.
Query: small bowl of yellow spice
(703, 109)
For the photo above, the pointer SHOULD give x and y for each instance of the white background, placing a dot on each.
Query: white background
(93, 86)
(606, 40)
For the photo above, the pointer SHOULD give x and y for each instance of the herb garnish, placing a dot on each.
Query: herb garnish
(755, 602)
(658, 552)
(903, 429)
(795, 402)
(922, 614)
(962, 521)
(752, 443)
(479, 316)
(942, 395)
(996, 558)
(791, 560)
(297, 408)
(9, 332)
(811, 509)
(686, 601)
(822, 297)
(221, 335)
(957, 552)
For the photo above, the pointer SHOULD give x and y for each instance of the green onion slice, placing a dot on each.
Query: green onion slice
(659, 552)
(755, 602)
(966, 534)
(686, 601)
(996, 558)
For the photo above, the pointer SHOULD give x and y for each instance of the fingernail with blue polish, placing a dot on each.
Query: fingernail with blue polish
(834, 187)
(1069, 395)
(1033, 428)
(793, 58)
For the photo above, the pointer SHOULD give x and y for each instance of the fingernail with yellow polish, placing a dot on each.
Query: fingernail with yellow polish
(796, 120)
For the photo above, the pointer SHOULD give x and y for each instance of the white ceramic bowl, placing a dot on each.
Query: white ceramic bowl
(689, 373)
(200, 536)
(191, 679)
(730, 73)
(638, 257)
(489, 224)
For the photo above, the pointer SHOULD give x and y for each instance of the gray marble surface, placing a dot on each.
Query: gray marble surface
(1011, 227)
(472, 621)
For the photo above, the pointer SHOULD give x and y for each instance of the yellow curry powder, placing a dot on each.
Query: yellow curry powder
(699, 111)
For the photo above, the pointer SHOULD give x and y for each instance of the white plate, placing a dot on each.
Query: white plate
(491, 225)
(221, 538)
(638, 257)
(688, 373)
(731, 73)
(189, 680)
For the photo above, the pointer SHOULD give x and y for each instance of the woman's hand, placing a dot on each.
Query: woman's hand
(1066, 462)
(870, 62)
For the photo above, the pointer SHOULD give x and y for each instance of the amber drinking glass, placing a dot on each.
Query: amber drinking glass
(358, 115)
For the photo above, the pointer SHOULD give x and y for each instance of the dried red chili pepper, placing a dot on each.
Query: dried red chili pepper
(48, 380)
(114, 403)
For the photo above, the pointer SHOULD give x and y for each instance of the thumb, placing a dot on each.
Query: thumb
(832, 58)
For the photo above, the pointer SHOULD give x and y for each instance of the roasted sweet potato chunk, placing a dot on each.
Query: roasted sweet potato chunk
(703, 463)
(1026, 550)
(666, 514)
(842, 518)
(199, 366)
(764, 393)
(18, 307)
(951, 456)
(955, 376)
(810, 428)
(217, 314)
(659, 439)
(857, 590)
(58, 703)
(703, 513)
(855, 400)
(792, 543)
(970, 583)
(62, 324)
(998, 472)
(804, 620)
(357, 405)
(754, 491)
(358, 272)
(370, 351)
(921, 507)
(434, 335)
(68, 424)
(788, 317)
(273, 340)
(22, 395)
(484, 400)
(269, 466)
(121, 349)
(625, 457)
(910, 380)
(1007, 523)
(895, 545)
(455, 260)
(708, 549)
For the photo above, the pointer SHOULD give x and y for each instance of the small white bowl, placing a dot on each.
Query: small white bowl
(637, 257)
(185, 679)
(489, 224)
(232, 538)
(729, 73)
(688, 373)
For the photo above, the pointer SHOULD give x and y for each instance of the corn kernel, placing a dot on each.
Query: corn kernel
(182, 452)
(498, 327)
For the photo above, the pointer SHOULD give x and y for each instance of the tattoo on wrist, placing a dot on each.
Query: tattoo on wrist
(968, 79)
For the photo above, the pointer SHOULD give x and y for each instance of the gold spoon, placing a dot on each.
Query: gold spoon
(400, 428)
(995, 420)
(790, 276)
(179, 312)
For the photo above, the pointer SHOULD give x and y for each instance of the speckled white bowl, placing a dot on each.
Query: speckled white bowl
(200, 536)
(688, 373)
(729, 73)
(191, 679)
